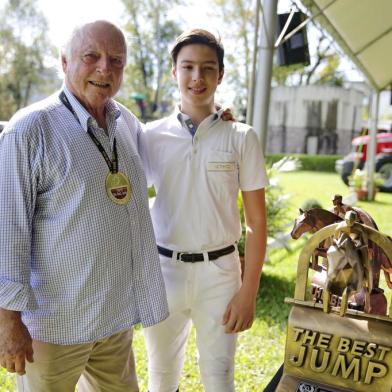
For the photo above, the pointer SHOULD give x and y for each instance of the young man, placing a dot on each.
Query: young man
(197, 163)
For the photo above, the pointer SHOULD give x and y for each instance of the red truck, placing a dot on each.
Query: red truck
(357, 158)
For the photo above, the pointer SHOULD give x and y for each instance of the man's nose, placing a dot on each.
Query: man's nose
(197, 74)
(103, 64)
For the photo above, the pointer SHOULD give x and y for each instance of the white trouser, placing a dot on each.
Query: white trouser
(197, 292)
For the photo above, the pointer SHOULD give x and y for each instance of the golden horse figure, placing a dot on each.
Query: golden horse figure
(316, 218)
(349, 247)
(327, 347)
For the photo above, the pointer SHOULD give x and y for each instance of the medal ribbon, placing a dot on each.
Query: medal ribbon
(112, 163)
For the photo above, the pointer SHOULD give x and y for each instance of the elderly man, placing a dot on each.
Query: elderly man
(78, 259)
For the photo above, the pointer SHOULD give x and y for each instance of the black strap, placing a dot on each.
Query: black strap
(112, 163)
(196, 257)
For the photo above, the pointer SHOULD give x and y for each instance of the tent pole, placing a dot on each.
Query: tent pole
(264, 70)
(371, 148)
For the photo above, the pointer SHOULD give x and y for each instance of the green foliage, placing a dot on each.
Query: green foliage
(24, 49)
(280, 74)
(358, 179)
(276, 206)
(329, 73)
(322, 163)
(150, 33)
(238, 16)
(7, 381)
(311, 203)
(276, 203)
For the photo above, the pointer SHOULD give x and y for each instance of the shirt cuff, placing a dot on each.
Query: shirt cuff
(16, 296)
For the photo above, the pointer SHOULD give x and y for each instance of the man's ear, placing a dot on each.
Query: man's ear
(174, 72)
(221, 73)
(64, 63)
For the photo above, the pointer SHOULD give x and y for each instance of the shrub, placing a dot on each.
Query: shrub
(276, 202)
(311, 203)
(323, 163)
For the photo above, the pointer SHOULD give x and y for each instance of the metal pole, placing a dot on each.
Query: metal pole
(371, 148)
(264, 71)
(252, 79)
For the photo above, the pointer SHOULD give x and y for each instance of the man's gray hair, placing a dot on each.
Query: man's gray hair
(77, 32)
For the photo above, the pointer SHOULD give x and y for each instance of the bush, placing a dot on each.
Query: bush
(311, 203)
(276, 202)
(323, 163)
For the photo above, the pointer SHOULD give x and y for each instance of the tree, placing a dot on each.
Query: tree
(238, 15)
(329, 73)
(24, 51)
(150, 32)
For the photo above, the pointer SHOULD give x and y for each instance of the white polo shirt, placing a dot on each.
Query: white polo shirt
(197, 180)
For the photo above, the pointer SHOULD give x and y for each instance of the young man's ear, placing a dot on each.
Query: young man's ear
(221, 73)
(174, 72)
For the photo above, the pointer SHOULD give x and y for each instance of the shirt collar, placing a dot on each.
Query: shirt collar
(84, 117)
(182, 117)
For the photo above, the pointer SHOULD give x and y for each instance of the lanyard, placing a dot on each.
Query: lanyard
(112, 163)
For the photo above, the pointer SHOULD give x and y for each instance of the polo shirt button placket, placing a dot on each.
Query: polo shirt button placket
(195, 140)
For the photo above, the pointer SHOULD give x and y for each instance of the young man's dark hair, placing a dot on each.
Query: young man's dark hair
(198, 36)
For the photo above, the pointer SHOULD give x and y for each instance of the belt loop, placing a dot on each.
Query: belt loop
(206, 258)
(174, 256)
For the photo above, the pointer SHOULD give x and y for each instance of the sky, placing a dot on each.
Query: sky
(63, 15)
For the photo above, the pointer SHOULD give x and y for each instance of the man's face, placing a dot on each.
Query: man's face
(94, 68)
(197, 73)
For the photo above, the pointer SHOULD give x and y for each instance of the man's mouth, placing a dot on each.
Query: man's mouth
(197, 90)
(99, 84)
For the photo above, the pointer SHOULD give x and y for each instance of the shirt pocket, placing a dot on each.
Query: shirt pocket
(222, 168)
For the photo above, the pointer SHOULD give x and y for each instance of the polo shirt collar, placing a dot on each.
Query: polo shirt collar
(182, 118)
(84, 117)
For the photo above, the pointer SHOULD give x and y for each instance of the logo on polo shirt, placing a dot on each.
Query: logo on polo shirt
(221, 166)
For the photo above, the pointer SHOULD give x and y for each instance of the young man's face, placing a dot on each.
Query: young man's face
(197, 73)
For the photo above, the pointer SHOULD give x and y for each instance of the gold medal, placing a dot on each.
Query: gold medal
(118, 188)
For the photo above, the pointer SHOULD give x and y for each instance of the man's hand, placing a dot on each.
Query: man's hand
(15, 342)
(240, 312)
(227, 115)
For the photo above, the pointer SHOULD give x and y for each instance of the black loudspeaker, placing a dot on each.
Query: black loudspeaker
(295, 50)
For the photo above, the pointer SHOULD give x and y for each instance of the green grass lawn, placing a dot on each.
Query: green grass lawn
(260, 350)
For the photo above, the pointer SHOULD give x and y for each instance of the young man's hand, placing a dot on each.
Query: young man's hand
(240, 312)
(15, 342)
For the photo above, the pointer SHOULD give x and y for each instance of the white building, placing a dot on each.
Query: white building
(314, 119)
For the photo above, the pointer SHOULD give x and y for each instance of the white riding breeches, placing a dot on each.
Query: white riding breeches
(199, 293)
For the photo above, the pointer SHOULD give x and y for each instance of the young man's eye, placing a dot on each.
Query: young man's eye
(188, 67)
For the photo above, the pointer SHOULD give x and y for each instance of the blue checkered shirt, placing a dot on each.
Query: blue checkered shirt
(77, 266)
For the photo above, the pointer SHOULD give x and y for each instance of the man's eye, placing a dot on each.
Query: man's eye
(188, 67)
(117, 61)
(90, 58)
